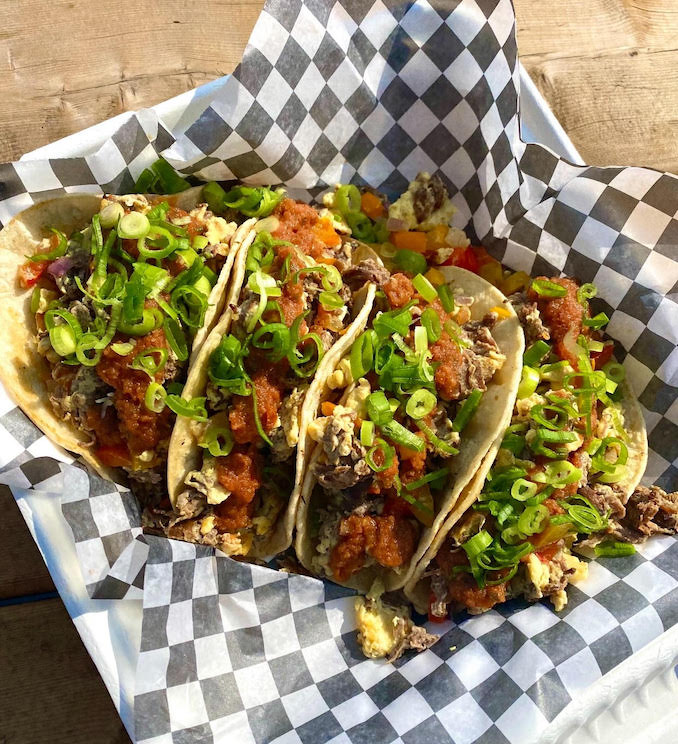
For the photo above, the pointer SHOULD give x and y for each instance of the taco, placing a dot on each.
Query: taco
(405, 421)
(563, 477)
(299, 288)
(103, 300)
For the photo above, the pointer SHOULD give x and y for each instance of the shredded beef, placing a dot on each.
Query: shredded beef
(349, 471)
(482, 359)
(428, 197)
(366, 271)
(648, 511)
(410, 636)
(530, 319)
(605, 498)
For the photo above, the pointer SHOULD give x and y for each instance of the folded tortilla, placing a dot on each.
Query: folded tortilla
(195, 518)
(460, 522)
(490, 419)
(23, 370)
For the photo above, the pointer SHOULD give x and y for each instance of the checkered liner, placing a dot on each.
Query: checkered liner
(346, 91)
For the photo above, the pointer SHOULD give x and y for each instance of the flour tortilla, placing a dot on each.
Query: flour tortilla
(417, 589)
(184, 453)
(22, 369)
(491, 418)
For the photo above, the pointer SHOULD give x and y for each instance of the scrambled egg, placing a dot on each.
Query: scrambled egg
(218, 230)
(377, 626)
(356, 399)
(542, 574)
(403, 209)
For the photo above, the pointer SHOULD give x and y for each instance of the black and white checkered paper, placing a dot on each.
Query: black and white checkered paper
(374, 93)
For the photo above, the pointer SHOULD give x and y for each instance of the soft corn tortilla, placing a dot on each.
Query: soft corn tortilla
(184, 453)
(22, 369)
(417, 588)
(491, 418)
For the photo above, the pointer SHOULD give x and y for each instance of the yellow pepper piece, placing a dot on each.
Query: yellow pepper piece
(437, 237)
(492, 272)
(502, 312)
(513, 283)
(435, 277)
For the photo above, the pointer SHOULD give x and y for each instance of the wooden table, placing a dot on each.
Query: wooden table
(608, 68)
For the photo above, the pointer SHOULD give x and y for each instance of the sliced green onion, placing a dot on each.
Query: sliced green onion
(586, 292)
(467, 410)
(190, 304)
(538, 413)
(559, 473)
(522, 490)
(546, 288)
(218, 440)
(361, 226)
(63, 340)
(329, 276)
(425, 288)
(123, 348)
(446, 298)
(88, 342)
(434, 477)
(410, 261)
(546, 436)
(597, 321)
(193, 409)
(133, 226)
(393, 321)
(161, 242)
(378, 408)
(176, 338)
(151, 361)
(585, 517)
(536, 353)
(402, 436)
(273, 337)
(420, 404)
(431, 322)
(514, 443)
(253, 201)
(477, 544)
(420, 340)
(554, 372)
(158, 211)
(387, 454)
(614, 549)
(330, 300)
(438, 444)
(35, 300)
(528, 382)
(596, 346)
(347, 199)
(155, 397)
(533, 519)
(214, 195)
(367, 433)
(150, 320)
(615, 372)
(362, 354)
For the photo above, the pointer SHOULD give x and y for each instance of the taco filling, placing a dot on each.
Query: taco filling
(412, 382)
(117, 305)
(561, 479)
(296, 301)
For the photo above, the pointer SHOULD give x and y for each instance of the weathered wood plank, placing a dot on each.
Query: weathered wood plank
(50, 691)
(66, 65)
(22, 570)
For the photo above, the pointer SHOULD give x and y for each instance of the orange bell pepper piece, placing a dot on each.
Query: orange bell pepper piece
(409, 240)
(372, 206)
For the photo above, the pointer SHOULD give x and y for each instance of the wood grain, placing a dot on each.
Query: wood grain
(609, 71)
(68, 64)
(50, 691)
(22, 570)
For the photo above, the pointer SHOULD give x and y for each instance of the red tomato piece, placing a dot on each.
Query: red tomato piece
(30, 272)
